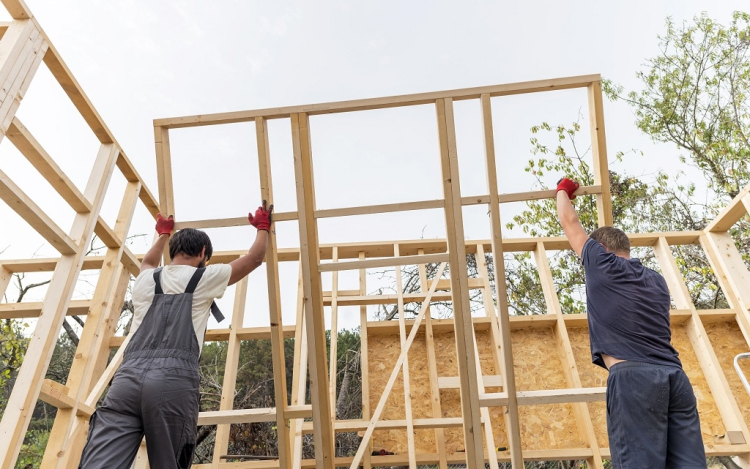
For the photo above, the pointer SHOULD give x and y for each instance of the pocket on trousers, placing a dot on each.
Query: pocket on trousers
(179, 396)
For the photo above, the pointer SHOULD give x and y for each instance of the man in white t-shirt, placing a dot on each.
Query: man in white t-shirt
(155, 390)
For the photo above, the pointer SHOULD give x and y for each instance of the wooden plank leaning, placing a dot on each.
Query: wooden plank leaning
(363, 445)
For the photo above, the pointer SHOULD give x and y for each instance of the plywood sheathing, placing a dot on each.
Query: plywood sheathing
(711, 422)
(592, 376)
(537, 367)
(728, 341)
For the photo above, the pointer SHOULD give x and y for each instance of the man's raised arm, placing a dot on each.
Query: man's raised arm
(164, 226)
(569, 221)
(244, 265)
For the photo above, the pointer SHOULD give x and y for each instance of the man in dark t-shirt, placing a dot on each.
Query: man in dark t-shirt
(652, 418)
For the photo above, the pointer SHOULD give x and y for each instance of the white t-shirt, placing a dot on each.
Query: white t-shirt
(174, 279)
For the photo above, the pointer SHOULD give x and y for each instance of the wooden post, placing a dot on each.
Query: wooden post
(310, 259)
(299, 373)
(364, 361)
(459, 285)
(733, 276)
(432, 365)
(274, 300)
(567, 358)
(333, 350)
(512, 424)
(599, 153)
(229, 385)
(407, 382)
(164, 176)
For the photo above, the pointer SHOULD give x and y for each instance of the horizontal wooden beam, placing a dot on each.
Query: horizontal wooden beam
(453, 382)
(366, 300)
(236, 416)
(545, 396)
(344, 426)
(379, 263)
(380, 103)
(222, 335)
(58, 395)
(33, 309)
(385, 208)
(371, 249)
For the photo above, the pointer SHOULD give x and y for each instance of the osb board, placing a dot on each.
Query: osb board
(537, 366)
(728, 341)
(383, 352)
(592, 376)
(711, 423)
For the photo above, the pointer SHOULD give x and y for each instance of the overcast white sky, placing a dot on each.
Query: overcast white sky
(141, 60)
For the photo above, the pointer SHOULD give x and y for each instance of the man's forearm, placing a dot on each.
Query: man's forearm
(565, 211)
(258, 249)
(153, 257)
(244, 265)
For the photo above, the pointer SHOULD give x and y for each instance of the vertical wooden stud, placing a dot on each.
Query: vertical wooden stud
(437, 411)
(229, 384)
(508, 375)
(274, 298)
(568, 359)
(459, 285)
(407, 382)
(310, 259)
(599, 153)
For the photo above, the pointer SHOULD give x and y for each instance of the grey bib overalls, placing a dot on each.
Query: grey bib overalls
(154, 392)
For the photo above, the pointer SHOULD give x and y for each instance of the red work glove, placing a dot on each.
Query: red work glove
(569, 186)
(262, 218)
(164, 225)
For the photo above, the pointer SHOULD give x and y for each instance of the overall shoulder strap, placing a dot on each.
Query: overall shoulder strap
(193, 283)
(157, 281)
(216, 312)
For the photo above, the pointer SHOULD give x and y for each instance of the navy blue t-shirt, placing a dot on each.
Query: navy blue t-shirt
(628, 309)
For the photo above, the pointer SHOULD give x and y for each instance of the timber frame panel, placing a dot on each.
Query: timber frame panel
(494, 397)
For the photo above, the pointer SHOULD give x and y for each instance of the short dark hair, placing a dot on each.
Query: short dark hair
(190, 241)
(614, 239)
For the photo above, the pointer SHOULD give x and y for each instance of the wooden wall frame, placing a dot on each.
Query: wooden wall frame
(24, 46)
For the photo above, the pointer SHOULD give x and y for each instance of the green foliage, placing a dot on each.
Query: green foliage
(695, 95)
(663, 204)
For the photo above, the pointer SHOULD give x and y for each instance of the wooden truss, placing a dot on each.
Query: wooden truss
(542, 402)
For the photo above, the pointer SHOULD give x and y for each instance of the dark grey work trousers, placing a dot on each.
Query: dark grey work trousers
(158, 402)
(652, 418)
(154, 393)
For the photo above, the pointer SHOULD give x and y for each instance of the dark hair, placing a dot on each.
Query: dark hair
(190, 241)
(614, 239)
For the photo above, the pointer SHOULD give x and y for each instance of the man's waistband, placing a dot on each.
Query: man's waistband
(635, 364)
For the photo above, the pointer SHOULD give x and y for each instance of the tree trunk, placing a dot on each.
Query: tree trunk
(71, 333)
(728, 463)
(344, 392)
